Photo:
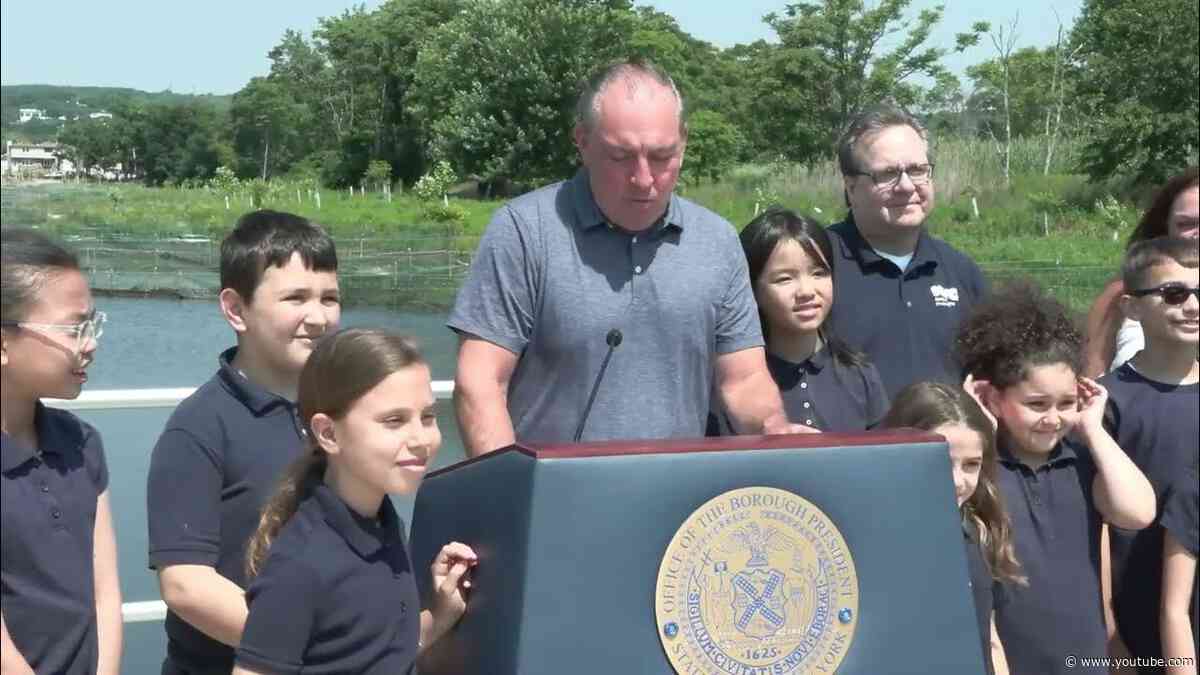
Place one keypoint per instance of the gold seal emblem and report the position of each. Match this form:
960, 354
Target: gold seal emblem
757, 580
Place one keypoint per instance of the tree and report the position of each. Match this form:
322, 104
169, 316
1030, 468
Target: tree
1005, 43
1140, 65
945, 105
830, 64
354, 78
180, 142
496, 85
268, 127
713, 146
91, 144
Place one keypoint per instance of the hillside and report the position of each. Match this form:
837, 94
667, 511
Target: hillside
72, 101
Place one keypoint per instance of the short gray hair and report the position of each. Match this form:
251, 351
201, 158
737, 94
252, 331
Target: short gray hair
631, 72
868, 123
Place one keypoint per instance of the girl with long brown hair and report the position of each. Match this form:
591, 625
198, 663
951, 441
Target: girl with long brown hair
970, 433
333, 587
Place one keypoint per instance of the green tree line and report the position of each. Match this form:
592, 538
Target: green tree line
488, 86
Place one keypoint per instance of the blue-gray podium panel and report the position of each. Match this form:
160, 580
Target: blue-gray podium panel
571, 538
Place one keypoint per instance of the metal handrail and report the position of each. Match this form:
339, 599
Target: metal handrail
113, 399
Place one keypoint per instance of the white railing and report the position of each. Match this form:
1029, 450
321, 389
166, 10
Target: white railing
112, 399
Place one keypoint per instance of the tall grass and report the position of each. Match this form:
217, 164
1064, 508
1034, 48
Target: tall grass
1060, 228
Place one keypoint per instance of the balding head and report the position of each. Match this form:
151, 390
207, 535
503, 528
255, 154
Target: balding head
632, 79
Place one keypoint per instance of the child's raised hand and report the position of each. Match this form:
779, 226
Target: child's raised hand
1092, 399
976, 389
450, 583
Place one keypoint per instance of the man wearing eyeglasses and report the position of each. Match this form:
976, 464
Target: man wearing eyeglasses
900, 292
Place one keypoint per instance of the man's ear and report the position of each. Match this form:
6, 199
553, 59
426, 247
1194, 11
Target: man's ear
581, 138
233, 308
323, 433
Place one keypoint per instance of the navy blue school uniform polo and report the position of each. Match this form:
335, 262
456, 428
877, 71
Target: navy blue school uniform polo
981, 590
823, 393
48, 541
1157, 425
903, 320
335, 595
1181, 517
1056, 533
218, 461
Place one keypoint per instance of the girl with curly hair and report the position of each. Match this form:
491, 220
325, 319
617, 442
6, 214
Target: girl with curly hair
987, 532
1060, 474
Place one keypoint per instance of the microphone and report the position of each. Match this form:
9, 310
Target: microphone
614, 340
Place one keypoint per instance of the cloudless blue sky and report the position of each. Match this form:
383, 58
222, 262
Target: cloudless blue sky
218, 45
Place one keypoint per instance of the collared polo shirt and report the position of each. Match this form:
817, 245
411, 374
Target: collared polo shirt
551, 278
1181, 517
215, 465
49, 522
825, 394
1056, 533
903, 320
335, 595
1157, 425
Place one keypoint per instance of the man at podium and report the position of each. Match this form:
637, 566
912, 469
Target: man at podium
606, 306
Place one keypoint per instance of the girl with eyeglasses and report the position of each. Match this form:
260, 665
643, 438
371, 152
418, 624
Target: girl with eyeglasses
61, 598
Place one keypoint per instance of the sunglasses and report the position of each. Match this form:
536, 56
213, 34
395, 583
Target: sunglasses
1172, 294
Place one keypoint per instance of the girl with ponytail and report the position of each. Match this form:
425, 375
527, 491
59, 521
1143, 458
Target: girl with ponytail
332, 585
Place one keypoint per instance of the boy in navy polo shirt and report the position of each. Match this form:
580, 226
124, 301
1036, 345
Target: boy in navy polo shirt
225, 446
1154, 414
900, 291
61, 595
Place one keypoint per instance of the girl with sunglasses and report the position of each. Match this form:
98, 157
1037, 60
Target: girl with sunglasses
61, 597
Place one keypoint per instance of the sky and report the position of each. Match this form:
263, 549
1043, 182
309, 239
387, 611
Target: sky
218, 45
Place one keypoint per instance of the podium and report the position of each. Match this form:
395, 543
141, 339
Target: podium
573, 542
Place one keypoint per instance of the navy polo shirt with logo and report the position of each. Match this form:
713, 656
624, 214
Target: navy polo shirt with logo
335, 595
1056, 533
1181, 517
823, 393
1157, 425
903, 320
48, 541
218, 461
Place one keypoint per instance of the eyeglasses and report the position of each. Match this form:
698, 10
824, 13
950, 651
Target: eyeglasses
1172, 294
919, 174
89, 329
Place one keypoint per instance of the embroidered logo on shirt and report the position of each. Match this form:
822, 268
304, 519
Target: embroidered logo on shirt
944, 297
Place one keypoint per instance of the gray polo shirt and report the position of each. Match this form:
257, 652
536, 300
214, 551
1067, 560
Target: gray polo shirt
552, 278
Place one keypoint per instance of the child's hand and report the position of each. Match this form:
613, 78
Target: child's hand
1092, 400
450, 584
977, 389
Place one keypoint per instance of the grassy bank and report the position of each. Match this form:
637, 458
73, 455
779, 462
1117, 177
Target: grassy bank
1059, 228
